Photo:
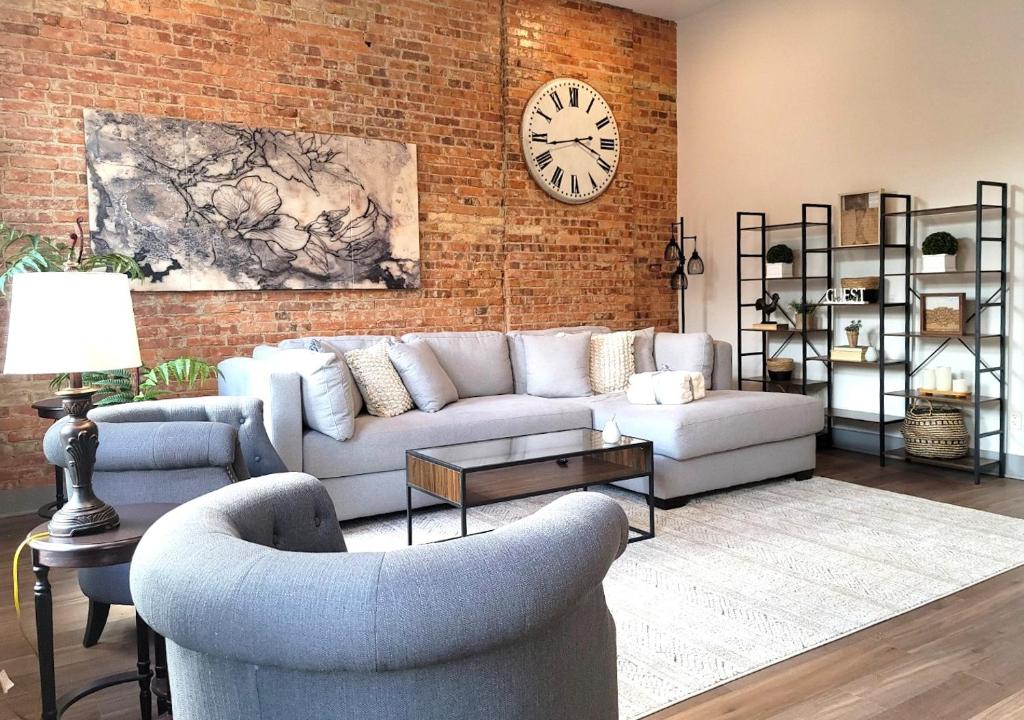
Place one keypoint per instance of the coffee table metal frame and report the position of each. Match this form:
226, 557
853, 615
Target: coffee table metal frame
456, 479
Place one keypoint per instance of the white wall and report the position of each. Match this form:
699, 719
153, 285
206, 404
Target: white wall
790, 101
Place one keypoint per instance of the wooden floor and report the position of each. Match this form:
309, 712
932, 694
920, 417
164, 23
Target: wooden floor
959, 658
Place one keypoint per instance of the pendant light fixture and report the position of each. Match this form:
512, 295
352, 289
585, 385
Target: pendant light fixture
672, 249
695, 266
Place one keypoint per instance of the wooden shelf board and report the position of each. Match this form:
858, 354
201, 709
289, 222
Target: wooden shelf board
785, 226
795, 382
861, 416
821, 358
984, 336
942, 400
965, 463
788, 330
947, 210
944, 272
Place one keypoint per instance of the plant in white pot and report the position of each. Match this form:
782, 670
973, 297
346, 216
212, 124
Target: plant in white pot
939, 250
778, 262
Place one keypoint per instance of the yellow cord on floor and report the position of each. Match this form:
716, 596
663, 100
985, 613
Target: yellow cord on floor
17, 554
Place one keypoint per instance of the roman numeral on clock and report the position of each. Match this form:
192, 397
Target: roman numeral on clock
593, 182
602, 122
575, 183
556, 100
540, 137
574, 97
604, 166
590, 105
541, 113
544, 159
556, 178
607, 143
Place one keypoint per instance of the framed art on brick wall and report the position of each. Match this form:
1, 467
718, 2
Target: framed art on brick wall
212, 206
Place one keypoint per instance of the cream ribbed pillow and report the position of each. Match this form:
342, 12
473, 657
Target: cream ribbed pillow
378, 381
611, 361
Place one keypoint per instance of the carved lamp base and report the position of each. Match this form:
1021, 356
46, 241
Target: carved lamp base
83, 513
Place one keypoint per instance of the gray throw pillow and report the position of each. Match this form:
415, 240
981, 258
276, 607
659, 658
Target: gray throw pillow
643, 350
427, 382
557, 365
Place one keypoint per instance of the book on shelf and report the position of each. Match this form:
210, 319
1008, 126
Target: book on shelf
770, 326
846, 353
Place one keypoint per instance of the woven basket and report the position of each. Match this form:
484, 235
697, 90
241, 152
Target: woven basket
865, 283
936, 432
781, 368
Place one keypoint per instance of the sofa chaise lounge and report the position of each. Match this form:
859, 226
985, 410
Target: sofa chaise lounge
727, 438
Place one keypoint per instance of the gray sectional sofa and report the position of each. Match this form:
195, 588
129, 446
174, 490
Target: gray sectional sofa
725, 439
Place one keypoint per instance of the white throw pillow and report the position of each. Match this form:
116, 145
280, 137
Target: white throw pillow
378, 381
557, 365
611, 361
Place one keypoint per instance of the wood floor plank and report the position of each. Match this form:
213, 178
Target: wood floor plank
959, 658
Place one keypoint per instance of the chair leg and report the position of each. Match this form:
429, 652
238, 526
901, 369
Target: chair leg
97, 621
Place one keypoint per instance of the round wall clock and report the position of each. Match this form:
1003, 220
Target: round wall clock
570, 140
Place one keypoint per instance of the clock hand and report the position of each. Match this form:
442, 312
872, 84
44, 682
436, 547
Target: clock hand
570, 140
586, 147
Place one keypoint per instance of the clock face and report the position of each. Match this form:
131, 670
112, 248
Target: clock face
570, 140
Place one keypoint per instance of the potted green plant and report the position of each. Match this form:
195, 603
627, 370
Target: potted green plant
778, 262
27, 252
803, 315
853, 332
144, 383
939, 251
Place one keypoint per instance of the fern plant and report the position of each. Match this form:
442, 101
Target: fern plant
118, 386
22, 252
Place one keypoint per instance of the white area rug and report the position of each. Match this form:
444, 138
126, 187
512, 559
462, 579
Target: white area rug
740, 580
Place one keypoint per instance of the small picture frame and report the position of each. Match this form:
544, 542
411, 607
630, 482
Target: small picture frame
943, 314
860, 219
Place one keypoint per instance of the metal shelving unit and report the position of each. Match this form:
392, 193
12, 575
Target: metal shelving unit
978, 462
757, 222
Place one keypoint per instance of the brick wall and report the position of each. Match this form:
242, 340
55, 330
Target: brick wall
450, 76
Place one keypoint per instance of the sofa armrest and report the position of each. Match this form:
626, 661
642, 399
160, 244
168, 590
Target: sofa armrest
361, 611
721, 376
281, 394
147, 446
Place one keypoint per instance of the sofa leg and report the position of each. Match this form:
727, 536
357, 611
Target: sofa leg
804, 474
97, 621
670, 503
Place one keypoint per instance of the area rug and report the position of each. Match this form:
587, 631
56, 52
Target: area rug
740, 580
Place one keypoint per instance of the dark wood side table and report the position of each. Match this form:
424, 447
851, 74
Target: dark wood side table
85, 551
52, 409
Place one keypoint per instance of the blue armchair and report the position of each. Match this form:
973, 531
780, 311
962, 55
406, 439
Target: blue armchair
266, 615
165, 451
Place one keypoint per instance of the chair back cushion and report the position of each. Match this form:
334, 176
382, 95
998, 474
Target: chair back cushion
685, 351
477, 362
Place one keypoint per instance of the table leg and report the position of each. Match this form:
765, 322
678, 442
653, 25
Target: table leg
650, 502
408, 513
145, 673
463, 521
44, 641
161, 684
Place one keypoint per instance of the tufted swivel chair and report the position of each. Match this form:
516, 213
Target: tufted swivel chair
267, 616
165, 451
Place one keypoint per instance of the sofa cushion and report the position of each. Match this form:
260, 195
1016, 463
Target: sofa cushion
517, 354
643, 350
325, 384
379, 444
558, 365
723, 420
694, 352
612, 361
477, 362
427, 382
379, 382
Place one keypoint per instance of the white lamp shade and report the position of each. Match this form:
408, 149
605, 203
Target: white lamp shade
64, 322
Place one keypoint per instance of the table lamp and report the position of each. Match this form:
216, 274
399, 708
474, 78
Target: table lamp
73, 322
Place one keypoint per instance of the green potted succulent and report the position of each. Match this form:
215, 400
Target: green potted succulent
778, 262
853, 332
803, 315
939, 251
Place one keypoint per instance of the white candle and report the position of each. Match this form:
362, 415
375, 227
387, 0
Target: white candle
960, 385
928, 379
944, 379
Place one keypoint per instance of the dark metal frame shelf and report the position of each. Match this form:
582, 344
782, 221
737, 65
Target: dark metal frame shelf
978, 462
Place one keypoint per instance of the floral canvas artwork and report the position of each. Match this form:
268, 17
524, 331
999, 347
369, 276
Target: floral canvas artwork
212, 206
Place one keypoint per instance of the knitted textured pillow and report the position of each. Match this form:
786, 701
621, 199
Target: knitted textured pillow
611, 361
378, 381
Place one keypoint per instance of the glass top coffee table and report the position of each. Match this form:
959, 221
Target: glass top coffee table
471, 474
